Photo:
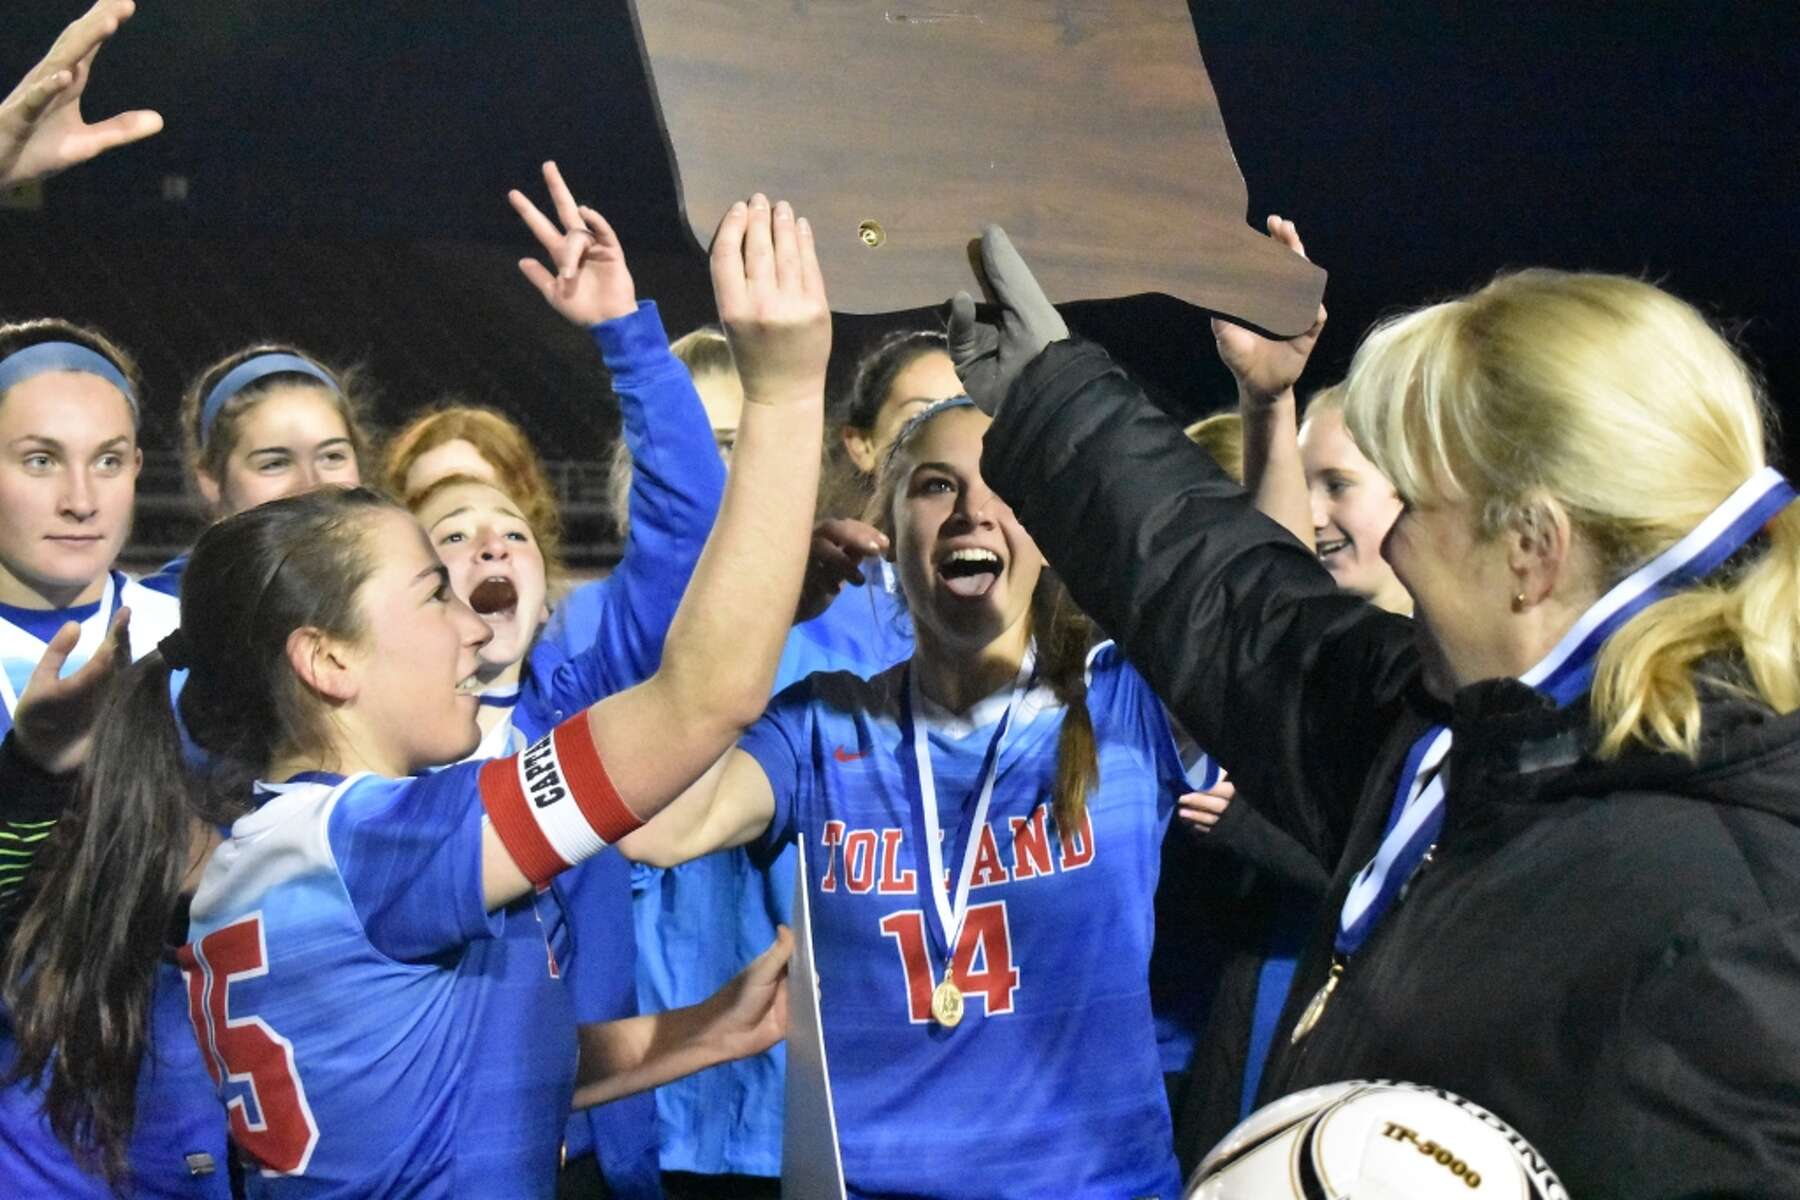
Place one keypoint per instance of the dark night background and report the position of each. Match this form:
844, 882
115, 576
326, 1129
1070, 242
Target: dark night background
346, 166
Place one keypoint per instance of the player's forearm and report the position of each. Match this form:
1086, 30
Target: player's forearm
719, 662
1273, 474
633, 1054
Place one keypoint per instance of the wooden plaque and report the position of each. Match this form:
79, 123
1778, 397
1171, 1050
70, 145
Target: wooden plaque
901, 127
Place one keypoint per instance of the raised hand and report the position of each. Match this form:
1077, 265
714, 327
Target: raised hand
1267, 367
41, 128
839, 547
988, 358
54, 724
591, 283
1200, 811
771, 298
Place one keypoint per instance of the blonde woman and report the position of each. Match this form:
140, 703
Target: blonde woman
1586, 914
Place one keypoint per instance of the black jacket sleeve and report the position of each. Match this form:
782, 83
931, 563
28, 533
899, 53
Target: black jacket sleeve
1245, 834
31, 802
1291, 683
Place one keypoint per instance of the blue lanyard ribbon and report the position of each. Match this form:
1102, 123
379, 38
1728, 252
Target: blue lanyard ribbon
1564, 676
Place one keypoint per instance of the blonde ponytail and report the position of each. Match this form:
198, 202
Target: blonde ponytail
1625, 407
1646, 683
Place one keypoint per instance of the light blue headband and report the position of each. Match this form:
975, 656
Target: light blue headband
45, 357
937, 408
254, 370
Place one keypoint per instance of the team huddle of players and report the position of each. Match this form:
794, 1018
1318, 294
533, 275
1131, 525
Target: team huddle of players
411, 870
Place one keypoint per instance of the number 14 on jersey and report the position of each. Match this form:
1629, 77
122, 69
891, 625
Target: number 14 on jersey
983, 964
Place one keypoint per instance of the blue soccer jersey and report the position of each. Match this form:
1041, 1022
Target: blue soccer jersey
22, 643
371, 1029
1049, 1085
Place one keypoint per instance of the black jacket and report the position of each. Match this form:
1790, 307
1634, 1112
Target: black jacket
1605, 954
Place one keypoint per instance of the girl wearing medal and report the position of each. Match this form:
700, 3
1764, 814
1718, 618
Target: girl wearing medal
983, 825
368, 974
1564, 800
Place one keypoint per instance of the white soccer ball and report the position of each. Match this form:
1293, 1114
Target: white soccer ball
1374, 1141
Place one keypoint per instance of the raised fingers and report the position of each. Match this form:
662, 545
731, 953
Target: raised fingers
567, 211
811, 278
542, 228
727, 261
759, 245
786, 238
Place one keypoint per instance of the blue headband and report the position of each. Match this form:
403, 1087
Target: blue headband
45, 357
935, 409
254, 370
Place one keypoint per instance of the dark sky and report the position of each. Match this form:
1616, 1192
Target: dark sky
1421, 149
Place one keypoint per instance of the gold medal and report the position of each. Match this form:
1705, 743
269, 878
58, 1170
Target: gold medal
1315, 1008
947, 1004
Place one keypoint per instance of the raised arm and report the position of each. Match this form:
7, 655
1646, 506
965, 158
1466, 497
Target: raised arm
636, 751
1289, 683
41, 128
1266, 370
618, 624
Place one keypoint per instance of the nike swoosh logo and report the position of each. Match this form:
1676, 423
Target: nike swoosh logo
844, 756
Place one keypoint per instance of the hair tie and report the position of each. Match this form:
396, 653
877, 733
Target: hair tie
255, 369
174, 650
44, 357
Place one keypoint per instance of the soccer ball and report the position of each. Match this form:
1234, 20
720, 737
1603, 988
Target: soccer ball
1374, 1141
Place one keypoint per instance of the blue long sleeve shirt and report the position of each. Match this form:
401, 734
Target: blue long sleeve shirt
603, 638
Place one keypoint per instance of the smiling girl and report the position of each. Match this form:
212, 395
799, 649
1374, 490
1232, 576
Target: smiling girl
1009, 1015
369, 970
265, 422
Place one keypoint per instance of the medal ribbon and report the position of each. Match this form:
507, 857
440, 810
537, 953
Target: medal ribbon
1564, 675
93, 632
927, 829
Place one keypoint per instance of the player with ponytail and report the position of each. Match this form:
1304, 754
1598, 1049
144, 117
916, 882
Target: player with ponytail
368, 940
1022, 778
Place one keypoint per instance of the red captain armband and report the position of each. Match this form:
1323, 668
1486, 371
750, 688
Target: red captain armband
552, 804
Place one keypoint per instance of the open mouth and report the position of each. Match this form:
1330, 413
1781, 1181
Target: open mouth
495, 597
969, 572
469, 685
1326, 549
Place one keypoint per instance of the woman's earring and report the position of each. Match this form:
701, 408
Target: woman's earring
1518, 601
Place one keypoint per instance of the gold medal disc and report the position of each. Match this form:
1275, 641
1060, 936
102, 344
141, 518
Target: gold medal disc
947, 1004
1315, 1008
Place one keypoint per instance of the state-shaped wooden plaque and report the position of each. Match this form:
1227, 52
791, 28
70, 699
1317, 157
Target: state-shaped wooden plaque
900, 128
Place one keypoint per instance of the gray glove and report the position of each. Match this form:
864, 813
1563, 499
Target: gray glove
988, 358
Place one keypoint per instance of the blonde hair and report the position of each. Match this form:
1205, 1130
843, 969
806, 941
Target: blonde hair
1328, 399
1619, 403
518, 470
1222, 437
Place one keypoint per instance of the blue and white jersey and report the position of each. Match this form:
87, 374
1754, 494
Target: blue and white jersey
371, 1029
1050, 1085
24, 635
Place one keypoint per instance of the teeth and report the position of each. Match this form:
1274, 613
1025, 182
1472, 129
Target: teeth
1325, 548
470, 686
973, 554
